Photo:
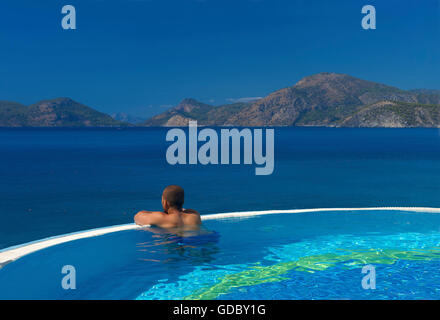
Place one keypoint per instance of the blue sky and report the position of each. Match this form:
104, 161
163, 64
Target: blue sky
140, 57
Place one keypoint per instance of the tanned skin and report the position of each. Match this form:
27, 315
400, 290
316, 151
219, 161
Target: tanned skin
172, 217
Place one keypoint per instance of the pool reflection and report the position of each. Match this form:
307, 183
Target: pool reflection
179, 246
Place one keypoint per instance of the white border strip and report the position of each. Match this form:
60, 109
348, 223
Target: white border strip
13, 253
260, 213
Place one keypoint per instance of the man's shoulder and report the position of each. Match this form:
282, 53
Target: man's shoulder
190, 211
148, 217
192, 217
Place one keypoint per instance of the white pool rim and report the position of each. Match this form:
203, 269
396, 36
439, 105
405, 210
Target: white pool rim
13, 253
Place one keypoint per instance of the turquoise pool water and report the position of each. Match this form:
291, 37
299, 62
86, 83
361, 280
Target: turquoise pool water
316, 255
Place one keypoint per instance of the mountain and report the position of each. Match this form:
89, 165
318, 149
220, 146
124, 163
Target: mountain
12, 114
395, 115
60, 112
324, 99
128, 118
191, 109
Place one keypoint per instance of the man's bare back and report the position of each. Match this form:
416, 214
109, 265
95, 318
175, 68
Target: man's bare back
173, 216
172, 219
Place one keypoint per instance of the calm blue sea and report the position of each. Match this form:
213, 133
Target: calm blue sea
55, 181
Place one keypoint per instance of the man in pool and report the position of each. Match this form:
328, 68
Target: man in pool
173, 215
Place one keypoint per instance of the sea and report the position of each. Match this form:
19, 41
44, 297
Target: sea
60, 180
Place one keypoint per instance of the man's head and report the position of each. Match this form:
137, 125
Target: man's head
172, 197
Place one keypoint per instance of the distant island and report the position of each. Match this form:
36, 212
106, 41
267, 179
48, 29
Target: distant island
324, 99
60, 112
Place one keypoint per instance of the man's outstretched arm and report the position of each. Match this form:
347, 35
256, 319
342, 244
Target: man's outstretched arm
144, 218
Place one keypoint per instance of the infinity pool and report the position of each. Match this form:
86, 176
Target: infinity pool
309, 255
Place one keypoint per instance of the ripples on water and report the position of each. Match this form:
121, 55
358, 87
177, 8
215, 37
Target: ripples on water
288, 256
179, 246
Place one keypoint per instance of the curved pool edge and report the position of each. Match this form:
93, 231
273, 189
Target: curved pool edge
11, 254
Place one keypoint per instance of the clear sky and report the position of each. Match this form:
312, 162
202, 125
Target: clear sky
142, 56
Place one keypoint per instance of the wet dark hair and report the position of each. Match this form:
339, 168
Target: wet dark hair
174, 195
